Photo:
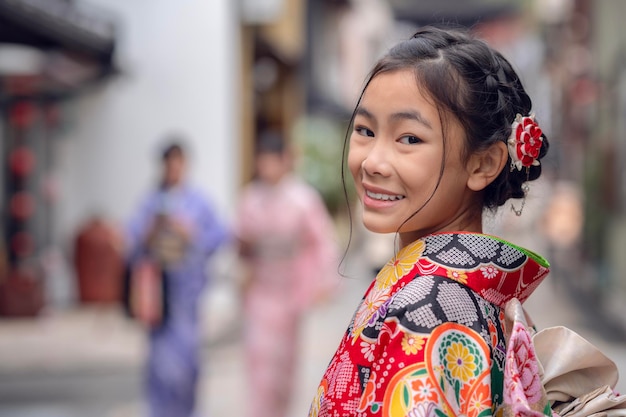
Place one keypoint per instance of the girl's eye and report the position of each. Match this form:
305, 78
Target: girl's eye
363, 131
409, 140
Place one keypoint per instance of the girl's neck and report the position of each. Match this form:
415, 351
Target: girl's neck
472, 224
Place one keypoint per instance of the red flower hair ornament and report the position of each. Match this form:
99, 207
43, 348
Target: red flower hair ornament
525, 142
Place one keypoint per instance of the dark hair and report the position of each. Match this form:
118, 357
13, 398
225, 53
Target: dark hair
270, 141
473, 83
172, 149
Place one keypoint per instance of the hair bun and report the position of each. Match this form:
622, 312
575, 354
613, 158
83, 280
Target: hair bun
491, 82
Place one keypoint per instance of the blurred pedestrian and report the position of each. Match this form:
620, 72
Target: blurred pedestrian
287, 243
562, 226
172, 235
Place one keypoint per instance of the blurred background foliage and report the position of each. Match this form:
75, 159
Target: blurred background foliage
319, 142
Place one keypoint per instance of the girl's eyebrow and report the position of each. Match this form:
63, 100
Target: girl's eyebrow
411, 115
401, 115
362, 111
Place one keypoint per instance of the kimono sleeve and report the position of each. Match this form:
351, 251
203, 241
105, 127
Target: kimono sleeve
434, 353
211, 231
138, 226
319, 258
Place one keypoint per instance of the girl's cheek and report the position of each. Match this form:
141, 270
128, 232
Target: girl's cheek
354, 172
353, 161
350, 160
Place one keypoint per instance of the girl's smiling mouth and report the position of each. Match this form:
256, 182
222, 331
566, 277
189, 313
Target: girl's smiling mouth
383, 197
376, 198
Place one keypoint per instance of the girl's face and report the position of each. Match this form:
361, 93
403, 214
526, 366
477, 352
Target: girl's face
396, 155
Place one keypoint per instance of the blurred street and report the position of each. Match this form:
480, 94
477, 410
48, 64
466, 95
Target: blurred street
90, 88
87, 361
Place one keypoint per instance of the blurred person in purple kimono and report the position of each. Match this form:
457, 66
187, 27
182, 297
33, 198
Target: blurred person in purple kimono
287, 243
175, 227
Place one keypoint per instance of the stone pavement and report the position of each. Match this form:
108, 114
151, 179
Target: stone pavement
92, 339
85, 338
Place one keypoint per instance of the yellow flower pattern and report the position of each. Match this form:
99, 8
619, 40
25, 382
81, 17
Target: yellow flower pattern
400, 265
460, 362
411, 344
397, 268
458, 276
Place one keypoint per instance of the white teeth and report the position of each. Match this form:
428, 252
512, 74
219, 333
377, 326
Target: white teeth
384, 197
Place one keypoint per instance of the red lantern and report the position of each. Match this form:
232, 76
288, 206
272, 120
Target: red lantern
22, 205
21, 161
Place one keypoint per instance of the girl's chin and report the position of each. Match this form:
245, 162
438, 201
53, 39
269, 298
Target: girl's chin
379, 228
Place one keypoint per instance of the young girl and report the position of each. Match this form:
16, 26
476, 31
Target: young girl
443, 129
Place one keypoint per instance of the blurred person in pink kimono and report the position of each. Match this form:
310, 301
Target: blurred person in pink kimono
287, 243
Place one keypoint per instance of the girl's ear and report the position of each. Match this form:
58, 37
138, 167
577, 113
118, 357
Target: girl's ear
484, 167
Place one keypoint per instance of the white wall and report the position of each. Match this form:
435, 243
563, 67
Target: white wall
178, 62
179, 71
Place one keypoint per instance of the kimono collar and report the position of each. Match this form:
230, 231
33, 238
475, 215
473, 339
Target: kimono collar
492, 267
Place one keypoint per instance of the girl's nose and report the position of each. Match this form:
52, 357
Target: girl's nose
377, 161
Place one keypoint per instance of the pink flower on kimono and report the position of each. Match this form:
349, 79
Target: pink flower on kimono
521, 372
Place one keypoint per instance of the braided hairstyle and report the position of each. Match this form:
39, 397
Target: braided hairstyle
475, 84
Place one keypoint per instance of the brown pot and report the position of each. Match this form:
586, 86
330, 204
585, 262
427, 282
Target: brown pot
98, 262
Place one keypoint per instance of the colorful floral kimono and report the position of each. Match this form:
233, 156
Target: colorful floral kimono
429, 337
173, 360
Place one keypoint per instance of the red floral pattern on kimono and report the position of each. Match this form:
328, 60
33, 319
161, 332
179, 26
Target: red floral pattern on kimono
428, 338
